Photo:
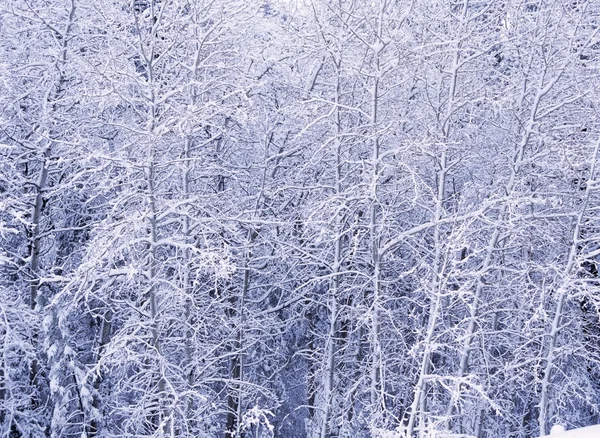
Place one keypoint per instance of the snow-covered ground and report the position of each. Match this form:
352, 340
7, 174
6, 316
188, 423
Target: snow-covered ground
584, 432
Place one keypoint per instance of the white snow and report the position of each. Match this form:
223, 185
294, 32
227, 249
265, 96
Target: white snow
584, 432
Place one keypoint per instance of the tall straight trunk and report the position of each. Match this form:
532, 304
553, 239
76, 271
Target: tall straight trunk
233, 424
187, 279
435, 306
161, 418
330, 347
186, 282
234, 397
37, 302
34, 257
35, 241
93, 428
377, 378
334, 287
418, 405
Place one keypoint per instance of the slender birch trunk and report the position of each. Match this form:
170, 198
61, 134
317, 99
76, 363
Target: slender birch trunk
162, 418
334, 286
36, 301
377, 377
436, 304
235, 399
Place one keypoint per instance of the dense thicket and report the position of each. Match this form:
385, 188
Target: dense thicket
340, 218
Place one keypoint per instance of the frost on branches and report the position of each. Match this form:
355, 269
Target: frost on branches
308, 219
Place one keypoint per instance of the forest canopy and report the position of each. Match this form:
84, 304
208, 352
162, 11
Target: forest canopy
318, 218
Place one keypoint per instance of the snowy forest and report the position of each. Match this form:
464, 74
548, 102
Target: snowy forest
299, 219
